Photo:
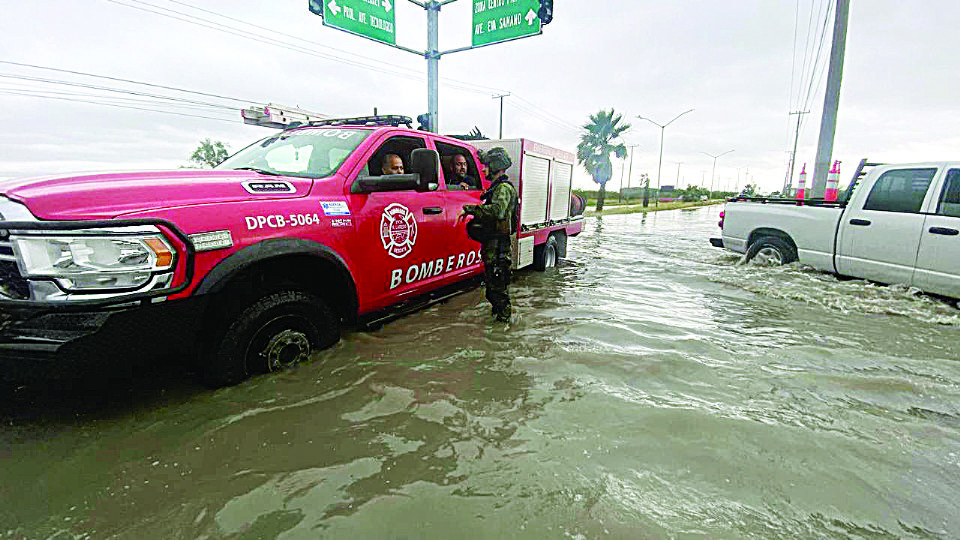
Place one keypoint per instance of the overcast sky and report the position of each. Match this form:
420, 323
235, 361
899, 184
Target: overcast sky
741, 64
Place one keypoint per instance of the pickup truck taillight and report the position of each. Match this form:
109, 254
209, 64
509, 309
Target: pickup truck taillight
720, 223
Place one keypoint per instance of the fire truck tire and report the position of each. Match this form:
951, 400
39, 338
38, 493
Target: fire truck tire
770, 250
545, 255
276, 331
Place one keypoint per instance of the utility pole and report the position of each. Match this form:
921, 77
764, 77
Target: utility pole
831, 101
623, 167
677, 183
631, 147
501, 96
793, 156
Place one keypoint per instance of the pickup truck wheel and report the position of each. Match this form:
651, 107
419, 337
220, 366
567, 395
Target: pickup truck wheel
545, 256
276, 331
770, 250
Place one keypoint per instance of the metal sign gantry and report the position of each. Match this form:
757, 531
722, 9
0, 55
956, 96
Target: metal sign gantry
493, 21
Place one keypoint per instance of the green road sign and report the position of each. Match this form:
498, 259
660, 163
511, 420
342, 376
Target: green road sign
371, 19
500, 20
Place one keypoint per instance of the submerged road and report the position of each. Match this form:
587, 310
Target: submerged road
650, 388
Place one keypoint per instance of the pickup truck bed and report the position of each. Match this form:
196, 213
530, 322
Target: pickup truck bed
894, 224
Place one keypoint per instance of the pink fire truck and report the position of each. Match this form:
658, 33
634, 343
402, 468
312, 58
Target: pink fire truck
258, 263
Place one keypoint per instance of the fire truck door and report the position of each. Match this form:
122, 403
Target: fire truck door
405, 233
457, 197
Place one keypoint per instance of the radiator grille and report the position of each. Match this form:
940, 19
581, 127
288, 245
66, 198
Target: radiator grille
12, 284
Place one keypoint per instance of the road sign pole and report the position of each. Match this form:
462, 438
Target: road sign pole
433, 64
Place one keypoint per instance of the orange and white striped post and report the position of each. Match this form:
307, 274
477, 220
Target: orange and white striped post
802, 182
833, 182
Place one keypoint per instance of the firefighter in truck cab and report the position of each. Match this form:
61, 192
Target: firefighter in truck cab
493, 223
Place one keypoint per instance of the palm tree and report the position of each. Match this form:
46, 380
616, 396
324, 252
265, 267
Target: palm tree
597, 142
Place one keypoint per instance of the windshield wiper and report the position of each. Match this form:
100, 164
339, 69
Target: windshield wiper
261, 171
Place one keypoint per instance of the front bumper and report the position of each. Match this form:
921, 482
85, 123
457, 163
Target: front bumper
54, 344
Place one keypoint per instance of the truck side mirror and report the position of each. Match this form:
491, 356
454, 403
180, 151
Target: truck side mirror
387, 182
425, 162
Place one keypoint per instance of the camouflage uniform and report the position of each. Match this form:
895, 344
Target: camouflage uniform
500, 208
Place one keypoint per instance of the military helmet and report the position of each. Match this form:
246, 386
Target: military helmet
496, 159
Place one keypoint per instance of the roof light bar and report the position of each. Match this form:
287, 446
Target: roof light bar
377, 120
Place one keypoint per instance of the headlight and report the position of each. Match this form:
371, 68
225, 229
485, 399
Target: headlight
91, 262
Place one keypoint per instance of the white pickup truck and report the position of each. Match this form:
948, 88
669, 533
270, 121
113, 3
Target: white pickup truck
893, 224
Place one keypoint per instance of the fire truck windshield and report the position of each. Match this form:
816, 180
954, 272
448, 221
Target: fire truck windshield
311, 152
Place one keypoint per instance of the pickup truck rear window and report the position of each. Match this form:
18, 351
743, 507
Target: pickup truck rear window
900, 190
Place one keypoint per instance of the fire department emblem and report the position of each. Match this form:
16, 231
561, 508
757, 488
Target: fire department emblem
398, 230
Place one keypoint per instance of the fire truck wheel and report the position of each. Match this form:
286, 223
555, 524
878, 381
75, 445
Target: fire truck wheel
545, 256
770, 250
276, 331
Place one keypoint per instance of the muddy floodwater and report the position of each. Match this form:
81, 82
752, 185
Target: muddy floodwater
650, 388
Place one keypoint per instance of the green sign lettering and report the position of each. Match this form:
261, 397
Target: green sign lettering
500, 20
373, 19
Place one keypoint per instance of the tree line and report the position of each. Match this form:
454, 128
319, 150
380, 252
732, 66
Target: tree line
599, 140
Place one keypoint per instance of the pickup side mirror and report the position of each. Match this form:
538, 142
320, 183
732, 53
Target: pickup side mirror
386, 182
423, 176
426, 163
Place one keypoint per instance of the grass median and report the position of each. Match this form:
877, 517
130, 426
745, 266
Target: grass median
611, 209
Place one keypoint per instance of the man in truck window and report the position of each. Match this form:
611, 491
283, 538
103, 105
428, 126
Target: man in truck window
459, 179
498, 217
392, 164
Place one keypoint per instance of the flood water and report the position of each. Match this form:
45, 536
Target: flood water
650, 388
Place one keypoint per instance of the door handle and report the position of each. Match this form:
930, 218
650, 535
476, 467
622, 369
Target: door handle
861, 222
944, 231
432, 210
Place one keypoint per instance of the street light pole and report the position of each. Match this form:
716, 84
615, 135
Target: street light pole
715, 165
660, 163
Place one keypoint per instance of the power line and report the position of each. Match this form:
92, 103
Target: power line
159, 99
118, 79
813, 75
806, 49
810, 61
108, 89
39, 92
539, 116
7, 92
530, 108
816, 61
258, 38
793, 66
557, 118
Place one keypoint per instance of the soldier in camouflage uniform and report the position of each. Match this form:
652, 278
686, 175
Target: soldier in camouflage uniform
499, 215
